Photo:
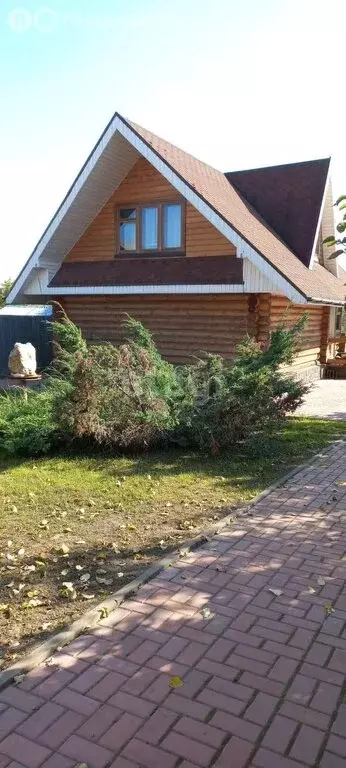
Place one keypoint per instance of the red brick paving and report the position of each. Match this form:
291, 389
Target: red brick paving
263, 677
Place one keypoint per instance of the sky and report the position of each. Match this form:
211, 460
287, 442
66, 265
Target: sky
238, 84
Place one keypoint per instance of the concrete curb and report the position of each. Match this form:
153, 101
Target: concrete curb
91, 618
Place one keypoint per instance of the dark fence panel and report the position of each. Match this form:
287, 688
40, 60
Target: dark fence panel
20, 328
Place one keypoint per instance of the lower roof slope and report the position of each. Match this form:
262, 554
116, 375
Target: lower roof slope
162, 270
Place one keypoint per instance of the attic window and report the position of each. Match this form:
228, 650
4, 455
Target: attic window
157, 227
127, 229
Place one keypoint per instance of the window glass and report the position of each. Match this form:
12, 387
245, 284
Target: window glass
127, 235
150, 220
127, 213
172, 226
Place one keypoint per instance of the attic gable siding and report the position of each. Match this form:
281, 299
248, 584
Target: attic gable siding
144, 184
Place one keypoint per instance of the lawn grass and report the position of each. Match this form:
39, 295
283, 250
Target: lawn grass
116, 516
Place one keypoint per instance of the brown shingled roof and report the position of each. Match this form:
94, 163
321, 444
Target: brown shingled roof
162, 270
289, 198
215, 189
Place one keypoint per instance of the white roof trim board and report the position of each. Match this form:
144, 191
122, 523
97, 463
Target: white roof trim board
108, 164
125, 290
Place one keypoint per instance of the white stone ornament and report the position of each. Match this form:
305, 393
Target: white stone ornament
22, 360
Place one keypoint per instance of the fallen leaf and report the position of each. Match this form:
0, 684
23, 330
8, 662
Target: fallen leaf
85, 577
67, 530
80, 541
86, 596
29, 568
311, 590
63, 549
132, 527
276, 592
103, 580
65, 572
33, 593
21, 552
18, 679
184, 552
45, 625
9, 543
67, 590
104, 612
329, 608
120, 575
321, 582
34, 603
175, 682
206, 612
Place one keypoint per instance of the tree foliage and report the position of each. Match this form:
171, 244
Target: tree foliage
129, 398
340, 242
5, 288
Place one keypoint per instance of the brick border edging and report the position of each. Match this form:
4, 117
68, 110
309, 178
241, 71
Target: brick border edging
91, 618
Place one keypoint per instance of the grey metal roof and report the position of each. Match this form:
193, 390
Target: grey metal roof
27, 310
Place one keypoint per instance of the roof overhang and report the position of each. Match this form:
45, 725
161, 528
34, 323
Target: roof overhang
109, 162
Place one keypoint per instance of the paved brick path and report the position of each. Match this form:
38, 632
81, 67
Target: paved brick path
326, 400
263, 678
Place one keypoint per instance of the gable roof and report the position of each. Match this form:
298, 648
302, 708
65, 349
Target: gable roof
208, 189
289, 198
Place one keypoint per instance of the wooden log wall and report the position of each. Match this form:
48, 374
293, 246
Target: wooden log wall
182, 325
143, 185
309, 349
